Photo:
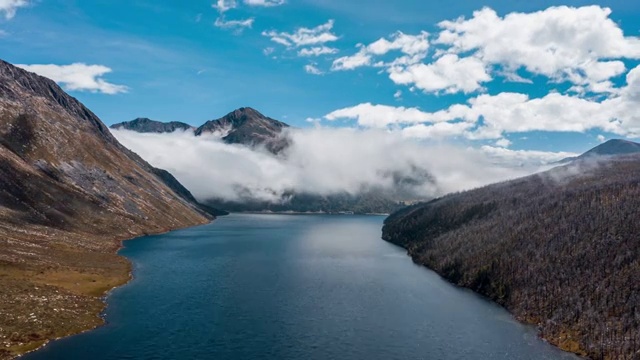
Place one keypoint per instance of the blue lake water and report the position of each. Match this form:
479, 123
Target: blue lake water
293, 287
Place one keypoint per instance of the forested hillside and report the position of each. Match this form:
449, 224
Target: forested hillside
560, 249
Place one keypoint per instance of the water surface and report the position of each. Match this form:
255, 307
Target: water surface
293, 287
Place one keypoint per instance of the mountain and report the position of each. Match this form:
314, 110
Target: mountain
69, 194
145, 125
609, 148
559, 249
245, 126
248, 127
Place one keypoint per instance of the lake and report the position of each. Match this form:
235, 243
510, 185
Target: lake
293, 287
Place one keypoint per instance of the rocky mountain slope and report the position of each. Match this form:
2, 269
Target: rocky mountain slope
560, 249
69, 193
145, 125
609, 148
248, 127
245, 126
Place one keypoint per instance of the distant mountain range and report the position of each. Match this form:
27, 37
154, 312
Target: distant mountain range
145, 125
69, 193
369, 202
244, 126
609, 148
558, 249
247, 126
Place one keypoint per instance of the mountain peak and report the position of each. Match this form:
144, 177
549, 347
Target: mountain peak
246, 115
249, 127
247, 111
608, 148
613, 147
244, 125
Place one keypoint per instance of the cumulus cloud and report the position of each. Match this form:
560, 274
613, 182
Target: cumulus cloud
78, 77
562, 43
264, 3
360, 59
492, 116
9, 7
449, 74
320, 34
413, 47
380, 116
578, 45
319, 161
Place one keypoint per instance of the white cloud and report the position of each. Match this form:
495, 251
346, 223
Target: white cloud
224, 5
317, 51
265, 3
397, 94
407, 44
513, 112
312, 69
492, 116
360, 59
504, 143
504, 156
436, 131
78, 77
380, 116
239, 25
414, 48
562, 43
9, 7
601, 138
319, 161
304, 36
449, 74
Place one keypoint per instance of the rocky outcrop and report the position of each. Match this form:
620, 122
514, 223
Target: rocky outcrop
248, 127
145, 125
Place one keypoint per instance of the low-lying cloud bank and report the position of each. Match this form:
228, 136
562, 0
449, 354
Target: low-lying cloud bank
326, 161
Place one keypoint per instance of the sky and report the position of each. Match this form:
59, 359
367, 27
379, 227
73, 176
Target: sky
513, 77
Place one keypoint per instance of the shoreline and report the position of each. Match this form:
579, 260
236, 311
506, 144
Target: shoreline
579, 353
101, 315
304, 213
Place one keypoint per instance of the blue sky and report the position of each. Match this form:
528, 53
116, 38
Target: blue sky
170, 61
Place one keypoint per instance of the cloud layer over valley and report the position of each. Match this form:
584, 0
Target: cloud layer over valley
325, 161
